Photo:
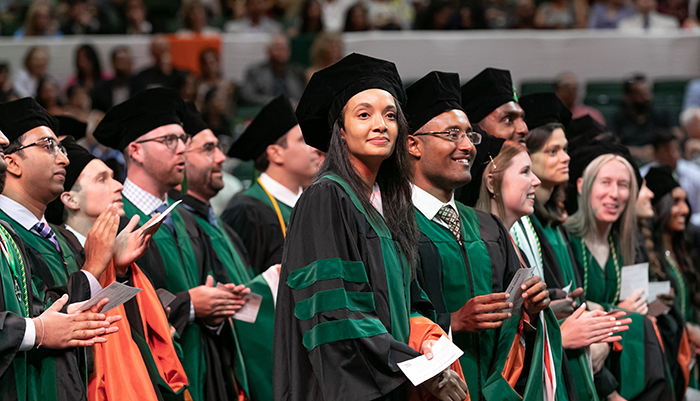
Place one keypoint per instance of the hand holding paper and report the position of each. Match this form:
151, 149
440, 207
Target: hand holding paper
420, 369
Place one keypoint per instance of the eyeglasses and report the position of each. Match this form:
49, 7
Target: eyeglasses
209, 148
455, 136
170, 140
47, 143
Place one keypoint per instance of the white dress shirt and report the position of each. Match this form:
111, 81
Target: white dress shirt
279, 191
430, 205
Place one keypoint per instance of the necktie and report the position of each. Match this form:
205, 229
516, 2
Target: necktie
45, 232
212, 218
647, 22
451, 218
168, 220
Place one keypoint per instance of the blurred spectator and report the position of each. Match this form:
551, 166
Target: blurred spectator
357, 19
82, 19
692, 94
607, 14
194, 16
162, 73
311, 17
79, 106
39, 21
556, 14
136, 23
117, 89
499, 14
690, 122
88, 68
47, 95
390, 15
211, 77
36, 62
437, 17
274, 77
7, 93
566, 88
524, 15
255, 20
328, 49
678, 9
215, 110
647, 19
334, 13
667, 153
637, 118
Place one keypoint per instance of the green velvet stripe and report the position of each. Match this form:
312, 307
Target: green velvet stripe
338, 298
339, 330
257, 192
327, 269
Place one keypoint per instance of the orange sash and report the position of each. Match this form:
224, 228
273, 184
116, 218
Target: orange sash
423, 329
120, 372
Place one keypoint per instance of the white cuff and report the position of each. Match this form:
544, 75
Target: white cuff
95, 286
29, 336
191, 318
218, 329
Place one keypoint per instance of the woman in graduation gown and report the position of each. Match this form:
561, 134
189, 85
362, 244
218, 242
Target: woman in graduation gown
670, 260
344, 312
603, 233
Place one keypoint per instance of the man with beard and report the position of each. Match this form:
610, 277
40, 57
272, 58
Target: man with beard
144, 342
27, 372
146, 128
260, 214
490, 100
466, 261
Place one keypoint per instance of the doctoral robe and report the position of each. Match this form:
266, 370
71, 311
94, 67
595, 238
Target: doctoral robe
344, 304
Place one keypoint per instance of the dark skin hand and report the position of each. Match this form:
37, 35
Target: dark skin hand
482, 313
536, 296
563, 308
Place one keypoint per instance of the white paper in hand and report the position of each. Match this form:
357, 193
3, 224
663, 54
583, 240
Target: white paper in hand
567, 289
163, 215
515, 291
656, 288
633, 278
420, 369
249, 311
117, 293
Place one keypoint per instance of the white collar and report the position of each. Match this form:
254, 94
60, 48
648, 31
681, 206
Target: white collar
146, 202
81, 238
428, 204
19, 213
376, 199
279, 191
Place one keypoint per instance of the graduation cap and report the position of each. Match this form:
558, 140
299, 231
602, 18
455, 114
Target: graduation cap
431, 96
489, 148
330, 89
142, 113
79, 157
193, 123
22, 115
660, 181
69, 126
486, 92
544, 108
583, 130
582, 157
273, 121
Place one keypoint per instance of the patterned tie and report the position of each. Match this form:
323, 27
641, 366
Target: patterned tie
45, 232
168, 220
451, 218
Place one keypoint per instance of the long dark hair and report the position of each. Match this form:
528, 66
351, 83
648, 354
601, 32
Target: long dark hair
551, 211
393, 178
92, 57
662, 214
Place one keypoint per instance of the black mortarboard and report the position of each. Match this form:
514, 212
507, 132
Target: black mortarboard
544, 108
660, 181
19, 116
431, 96
273, 121
489, 147
583, 130
582, 157
69, 126
193, 123
330, 89
144, 112
79, 157
486, 92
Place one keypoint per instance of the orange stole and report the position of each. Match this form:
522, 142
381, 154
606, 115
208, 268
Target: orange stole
516, 357
119, 371
423, 329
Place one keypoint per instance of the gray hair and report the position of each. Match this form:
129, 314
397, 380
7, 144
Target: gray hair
687, 115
